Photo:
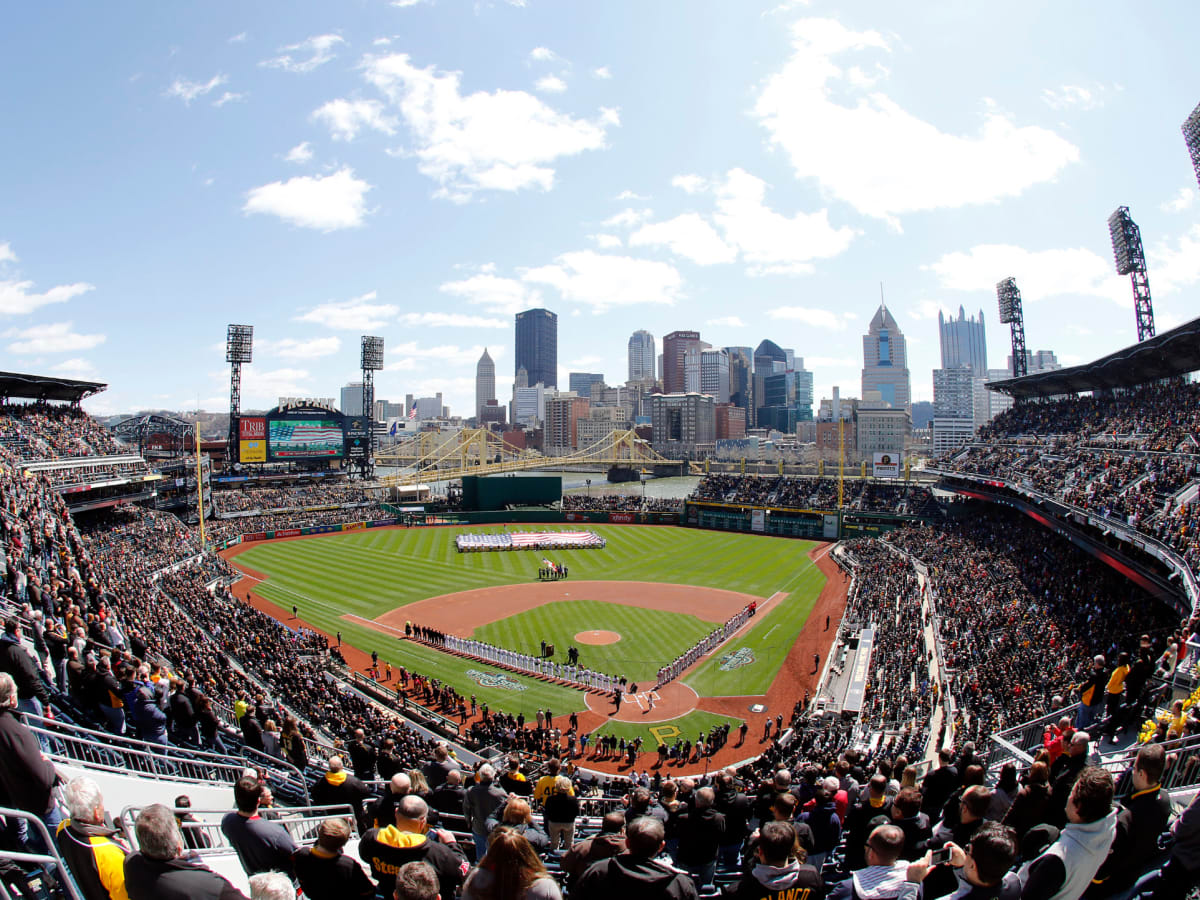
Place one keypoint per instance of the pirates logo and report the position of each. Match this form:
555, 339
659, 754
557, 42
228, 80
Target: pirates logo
743, 656
494, 680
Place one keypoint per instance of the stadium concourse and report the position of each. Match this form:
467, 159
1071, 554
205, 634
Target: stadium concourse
133, 673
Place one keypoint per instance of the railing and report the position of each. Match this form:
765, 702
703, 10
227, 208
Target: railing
124, 755
50, 862
1020, 743
202, 829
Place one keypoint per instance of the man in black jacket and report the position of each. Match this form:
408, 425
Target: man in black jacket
736, 807
338, 787
160, 871
636, 874
261, 845
701, 831
410, 839
776, 874
363, 756
939, 784
26, 777
1142, 818
32, 695
1063, 773
450, 796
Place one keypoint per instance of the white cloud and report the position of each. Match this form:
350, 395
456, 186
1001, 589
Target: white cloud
1039, 273
550, 84
6, 253
357, 314
602, 72
263, 387
606, 241
228, 97
504, 140
293, 348
627, 218
772, 243
344, 118
324, 202
542, 54
1181, 202
814, 318
928, 309
74, 368
312, 53
53, 338
1172, 268
301, 153
687, 235
691, 184
726, 322
602, 280
402, 4
452, 320
187, 91
1072, 96
239, 38
919, 167
17, 300
629, 195
494, 293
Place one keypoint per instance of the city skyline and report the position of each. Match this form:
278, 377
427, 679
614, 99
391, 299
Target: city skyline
423, 171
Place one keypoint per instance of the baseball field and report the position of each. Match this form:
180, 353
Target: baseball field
628, 608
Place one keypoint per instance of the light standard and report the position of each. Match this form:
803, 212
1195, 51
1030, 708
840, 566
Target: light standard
588, 482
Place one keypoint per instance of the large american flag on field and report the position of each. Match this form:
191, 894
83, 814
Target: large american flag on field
286, 432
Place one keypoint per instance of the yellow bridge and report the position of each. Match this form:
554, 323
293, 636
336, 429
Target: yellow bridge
445, 456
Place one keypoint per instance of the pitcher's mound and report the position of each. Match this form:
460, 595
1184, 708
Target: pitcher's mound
597, 637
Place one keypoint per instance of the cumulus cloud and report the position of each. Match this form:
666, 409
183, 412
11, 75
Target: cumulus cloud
187, 91
363, 313
57, 337
1175, 266
689, 236
923, 166
1072, 96
345, 118
6, 253
294, 348
301, 153
691, 184
501, 140
491, 291
602, 72
324, 202
228, 97
542, 54
1181, 202
627, 218
550, 84
1039, 273
17, 297
77, 367
305, 56
602, 281
606, 241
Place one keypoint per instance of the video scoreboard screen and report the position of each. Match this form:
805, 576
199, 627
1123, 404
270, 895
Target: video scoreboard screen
305, 438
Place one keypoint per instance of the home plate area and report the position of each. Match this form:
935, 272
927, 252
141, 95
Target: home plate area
645, 700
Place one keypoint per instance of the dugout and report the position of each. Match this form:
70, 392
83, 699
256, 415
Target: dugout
484, 492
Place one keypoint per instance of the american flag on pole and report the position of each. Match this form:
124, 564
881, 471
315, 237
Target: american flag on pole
412, 411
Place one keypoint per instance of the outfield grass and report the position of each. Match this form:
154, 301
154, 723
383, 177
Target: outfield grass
368, 573
648, 636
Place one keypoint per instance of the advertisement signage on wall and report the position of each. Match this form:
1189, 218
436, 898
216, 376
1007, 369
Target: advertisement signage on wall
358, 437
252, 439
758, 520
886, 465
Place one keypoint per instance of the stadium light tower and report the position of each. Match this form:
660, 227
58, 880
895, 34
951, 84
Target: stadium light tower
372, 362
1191, 134
239, 348
1012, 315
1131, 261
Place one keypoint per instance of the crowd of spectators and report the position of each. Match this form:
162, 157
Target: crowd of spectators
620, 503
53, 431
809, 492
224, 529
291, 497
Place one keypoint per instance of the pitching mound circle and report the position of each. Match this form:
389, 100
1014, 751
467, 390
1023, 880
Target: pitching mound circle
597, 637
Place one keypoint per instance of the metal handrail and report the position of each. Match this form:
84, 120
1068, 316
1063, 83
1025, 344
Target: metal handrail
301, 824
116, 753
51, 861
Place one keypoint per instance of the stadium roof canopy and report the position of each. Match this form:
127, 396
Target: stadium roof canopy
1174, 352
47, 387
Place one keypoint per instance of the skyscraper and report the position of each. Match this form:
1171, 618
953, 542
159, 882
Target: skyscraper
675, 345
741, 380
537, 346
641, 355
485, 383
885, 361
581, 382
964, 342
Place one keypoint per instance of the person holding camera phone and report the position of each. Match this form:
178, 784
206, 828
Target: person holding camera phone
975, 873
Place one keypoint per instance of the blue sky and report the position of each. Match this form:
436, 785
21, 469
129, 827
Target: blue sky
423, 170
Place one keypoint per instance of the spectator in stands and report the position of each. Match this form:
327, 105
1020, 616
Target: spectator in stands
482, 800
337, 787
1091, 694
1066, 869
914, 824
160, 871
561, 811
271, 886
860, 818
940, 783
438, 768
545, 784
510, 870
517, 816
1029, 806
701, 831
92, 851
194, 837
325, 872
26, 777
261, 845
1063, 774
363, 756
1142, 817
450, 795
385, 810
885, 875
824, 822
1181, 872
779, 872
736, 807
32, 695
972, 812
1004, 794
640, 804
416, 881
978, 872
609, 842
411, 840
148, 709
106, 695
514, 780
636, 874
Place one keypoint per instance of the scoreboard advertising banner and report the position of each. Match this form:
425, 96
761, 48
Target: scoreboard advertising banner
305, 438
252, 440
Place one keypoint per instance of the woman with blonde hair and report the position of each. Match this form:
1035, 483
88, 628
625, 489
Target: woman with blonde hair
561, 809
510, 870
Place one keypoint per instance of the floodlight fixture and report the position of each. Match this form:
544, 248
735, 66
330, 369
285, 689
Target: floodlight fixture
1191, 135
1012, 314
1131, 260
239, 343
372, 353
